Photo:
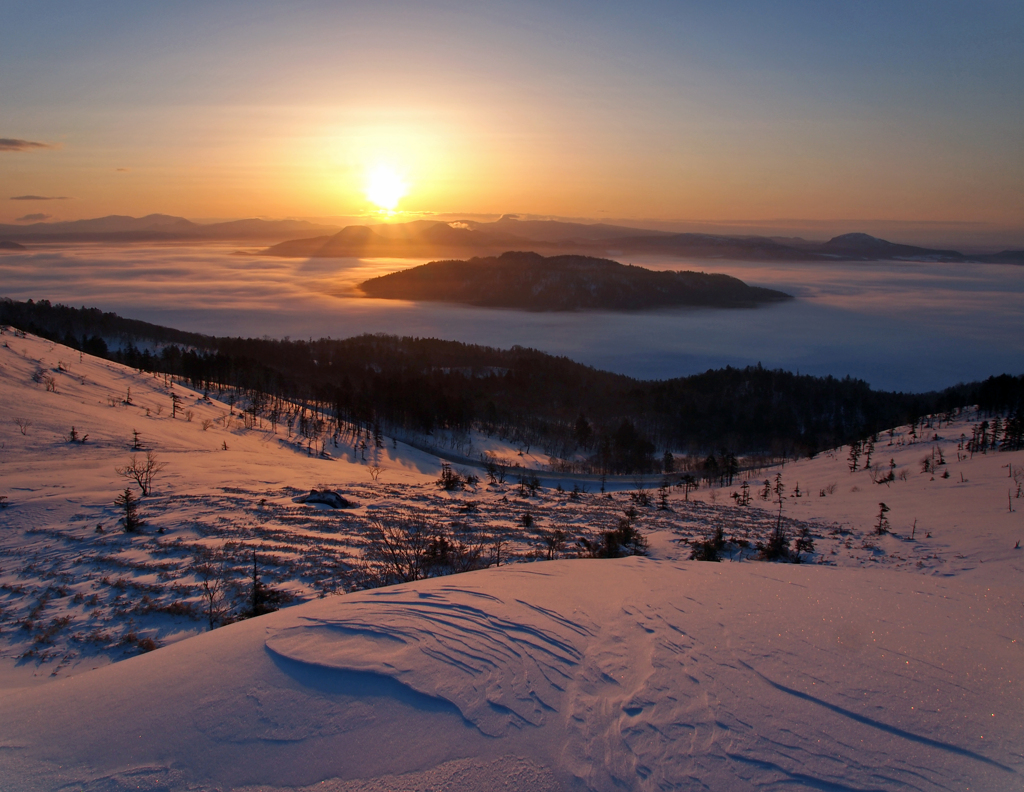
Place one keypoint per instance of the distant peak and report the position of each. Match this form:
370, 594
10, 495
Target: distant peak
858, 240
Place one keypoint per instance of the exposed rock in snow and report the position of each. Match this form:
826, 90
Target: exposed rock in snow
327, 497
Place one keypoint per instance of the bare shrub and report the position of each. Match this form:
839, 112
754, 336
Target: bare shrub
640, 496
394, 553
213, 586
141, 471
554, 542
23, 425
401, 552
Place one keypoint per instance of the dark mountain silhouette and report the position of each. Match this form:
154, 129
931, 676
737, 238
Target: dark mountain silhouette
352, 238
418, 238
564, 283
869, 248
714, 246
463, 238
158, 227
1003, 257
7, 245
434, 238
471, 237
111, 224
560, 232
299, 248
256, 228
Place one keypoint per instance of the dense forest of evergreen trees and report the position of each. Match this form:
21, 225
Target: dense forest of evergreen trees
620, 424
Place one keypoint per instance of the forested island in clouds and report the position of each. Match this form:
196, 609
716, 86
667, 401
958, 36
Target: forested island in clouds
533, 282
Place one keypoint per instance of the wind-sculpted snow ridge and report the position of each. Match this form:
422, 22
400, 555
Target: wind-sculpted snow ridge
886, 661
504, 665
629, 674
649, 688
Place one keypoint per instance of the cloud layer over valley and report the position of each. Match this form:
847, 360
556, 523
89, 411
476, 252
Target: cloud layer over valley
902, 326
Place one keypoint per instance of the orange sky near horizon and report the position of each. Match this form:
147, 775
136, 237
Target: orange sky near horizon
666, 114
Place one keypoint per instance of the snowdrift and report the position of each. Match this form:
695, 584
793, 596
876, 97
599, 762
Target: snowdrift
886, 662
637, 673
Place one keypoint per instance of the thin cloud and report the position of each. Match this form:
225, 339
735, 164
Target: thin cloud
34, 218
121, 170
40, 198
14, 144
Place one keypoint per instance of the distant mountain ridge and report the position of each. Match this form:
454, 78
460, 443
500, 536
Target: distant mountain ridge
472, 238
855, 246
564, 283
465, 238
157, 227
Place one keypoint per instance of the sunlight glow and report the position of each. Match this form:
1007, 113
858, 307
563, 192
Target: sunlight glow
385, 188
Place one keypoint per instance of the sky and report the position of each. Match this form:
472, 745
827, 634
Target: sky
725, 112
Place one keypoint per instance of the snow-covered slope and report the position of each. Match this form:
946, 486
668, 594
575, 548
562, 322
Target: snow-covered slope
633, 673
884, 662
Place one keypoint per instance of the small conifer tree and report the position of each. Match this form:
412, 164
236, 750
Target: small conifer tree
882, 526
129, 505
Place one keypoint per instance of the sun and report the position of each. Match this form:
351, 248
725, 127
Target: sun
385, 188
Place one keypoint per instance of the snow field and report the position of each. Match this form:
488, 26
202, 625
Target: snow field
882, 662
632, 673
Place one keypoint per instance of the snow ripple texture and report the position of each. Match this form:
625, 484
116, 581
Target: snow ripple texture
659, 677
502, 671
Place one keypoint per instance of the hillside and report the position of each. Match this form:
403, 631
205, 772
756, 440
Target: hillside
640, 675
884, 661
424, 385
564, 283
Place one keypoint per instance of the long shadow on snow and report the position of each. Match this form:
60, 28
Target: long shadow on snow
362, 684
894, 730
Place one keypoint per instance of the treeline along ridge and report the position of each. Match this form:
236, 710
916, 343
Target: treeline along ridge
595, 420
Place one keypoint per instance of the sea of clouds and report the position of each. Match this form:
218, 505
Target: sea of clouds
899, 325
